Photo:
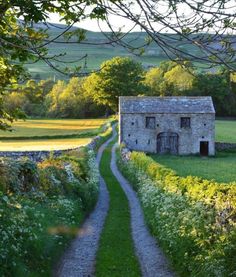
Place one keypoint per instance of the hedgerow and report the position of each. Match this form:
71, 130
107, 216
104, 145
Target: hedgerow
193, 219
104, 136
41, 207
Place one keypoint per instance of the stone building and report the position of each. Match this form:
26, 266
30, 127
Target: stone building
175, 125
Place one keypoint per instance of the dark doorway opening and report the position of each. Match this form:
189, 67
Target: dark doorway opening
167, 143
204, 148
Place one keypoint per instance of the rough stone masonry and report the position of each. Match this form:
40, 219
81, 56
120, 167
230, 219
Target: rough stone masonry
175, 125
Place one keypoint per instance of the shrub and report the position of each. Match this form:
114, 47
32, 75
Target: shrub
38, 219
18, 175
193, 219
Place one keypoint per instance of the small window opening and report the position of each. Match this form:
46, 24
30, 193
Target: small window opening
128, 135
150, 122
203, 137
204, 124
136, 141
185, 122
132, 123
157, 125
149, 141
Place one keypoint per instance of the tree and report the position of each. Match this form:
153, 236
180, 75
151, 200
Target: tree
153, 79
216, 85
21, 42
181, 77
117, 77
52, 99
170, 78
206, 26
71, 101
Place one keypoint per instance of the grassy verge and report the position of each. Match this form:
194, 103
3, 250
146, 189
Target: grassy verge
115, 256
193, 219
105, 135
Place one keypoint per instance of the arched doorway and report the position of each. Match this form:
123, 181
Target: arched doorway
167, 142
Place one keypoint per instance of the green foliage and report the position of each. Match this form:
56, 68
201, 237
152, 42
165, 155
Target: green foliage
170, 79
117, 77
221, 88
18, 176
71, 101
193, 219
41, 206
47, 99
173, 78
22, 42
29, 97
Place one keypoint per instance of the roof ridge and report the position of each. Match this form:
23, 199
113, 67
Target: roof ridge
169, 104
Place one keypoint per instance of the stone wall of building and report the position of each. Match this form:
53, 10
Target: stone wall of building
136, 136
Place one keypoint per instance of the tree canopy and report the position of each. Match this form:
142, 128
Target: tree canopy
170, 78
117, 77
208, 26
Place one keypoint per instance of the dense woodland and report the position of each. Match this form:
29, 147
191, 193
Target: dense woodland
97, 94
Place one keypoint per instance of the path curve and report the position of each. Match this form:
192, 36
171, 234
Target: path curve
79, 259
152, 260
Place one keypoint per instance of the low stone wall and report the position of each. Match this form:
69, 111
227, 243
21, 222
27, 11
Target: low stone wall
125, 154
38, 156
220, 146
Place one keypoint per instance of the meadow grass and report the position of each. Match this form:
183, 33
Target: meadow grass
116, 256
51, 127
226, 130
221, 168
42, 144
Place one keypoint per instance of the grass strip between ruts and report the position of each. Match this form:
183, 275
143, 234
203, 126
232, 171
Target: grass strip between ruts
116, 256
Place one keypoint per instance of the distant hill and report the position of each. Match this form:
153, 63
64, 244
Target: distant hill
97, 51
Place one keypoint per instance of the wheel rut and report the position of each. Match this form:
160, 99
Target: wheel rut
79, 259
152, 260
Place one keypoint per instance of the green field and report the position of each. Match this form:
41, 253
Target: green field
45, 134
226, 130
96, 54
51, 127
221, 168
42, 144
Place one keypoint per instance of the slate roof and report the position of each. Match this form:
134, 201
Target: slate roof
179, 104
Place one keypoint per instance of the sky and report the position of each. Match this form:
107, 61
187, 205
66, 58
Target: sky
92, 25
183, 11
